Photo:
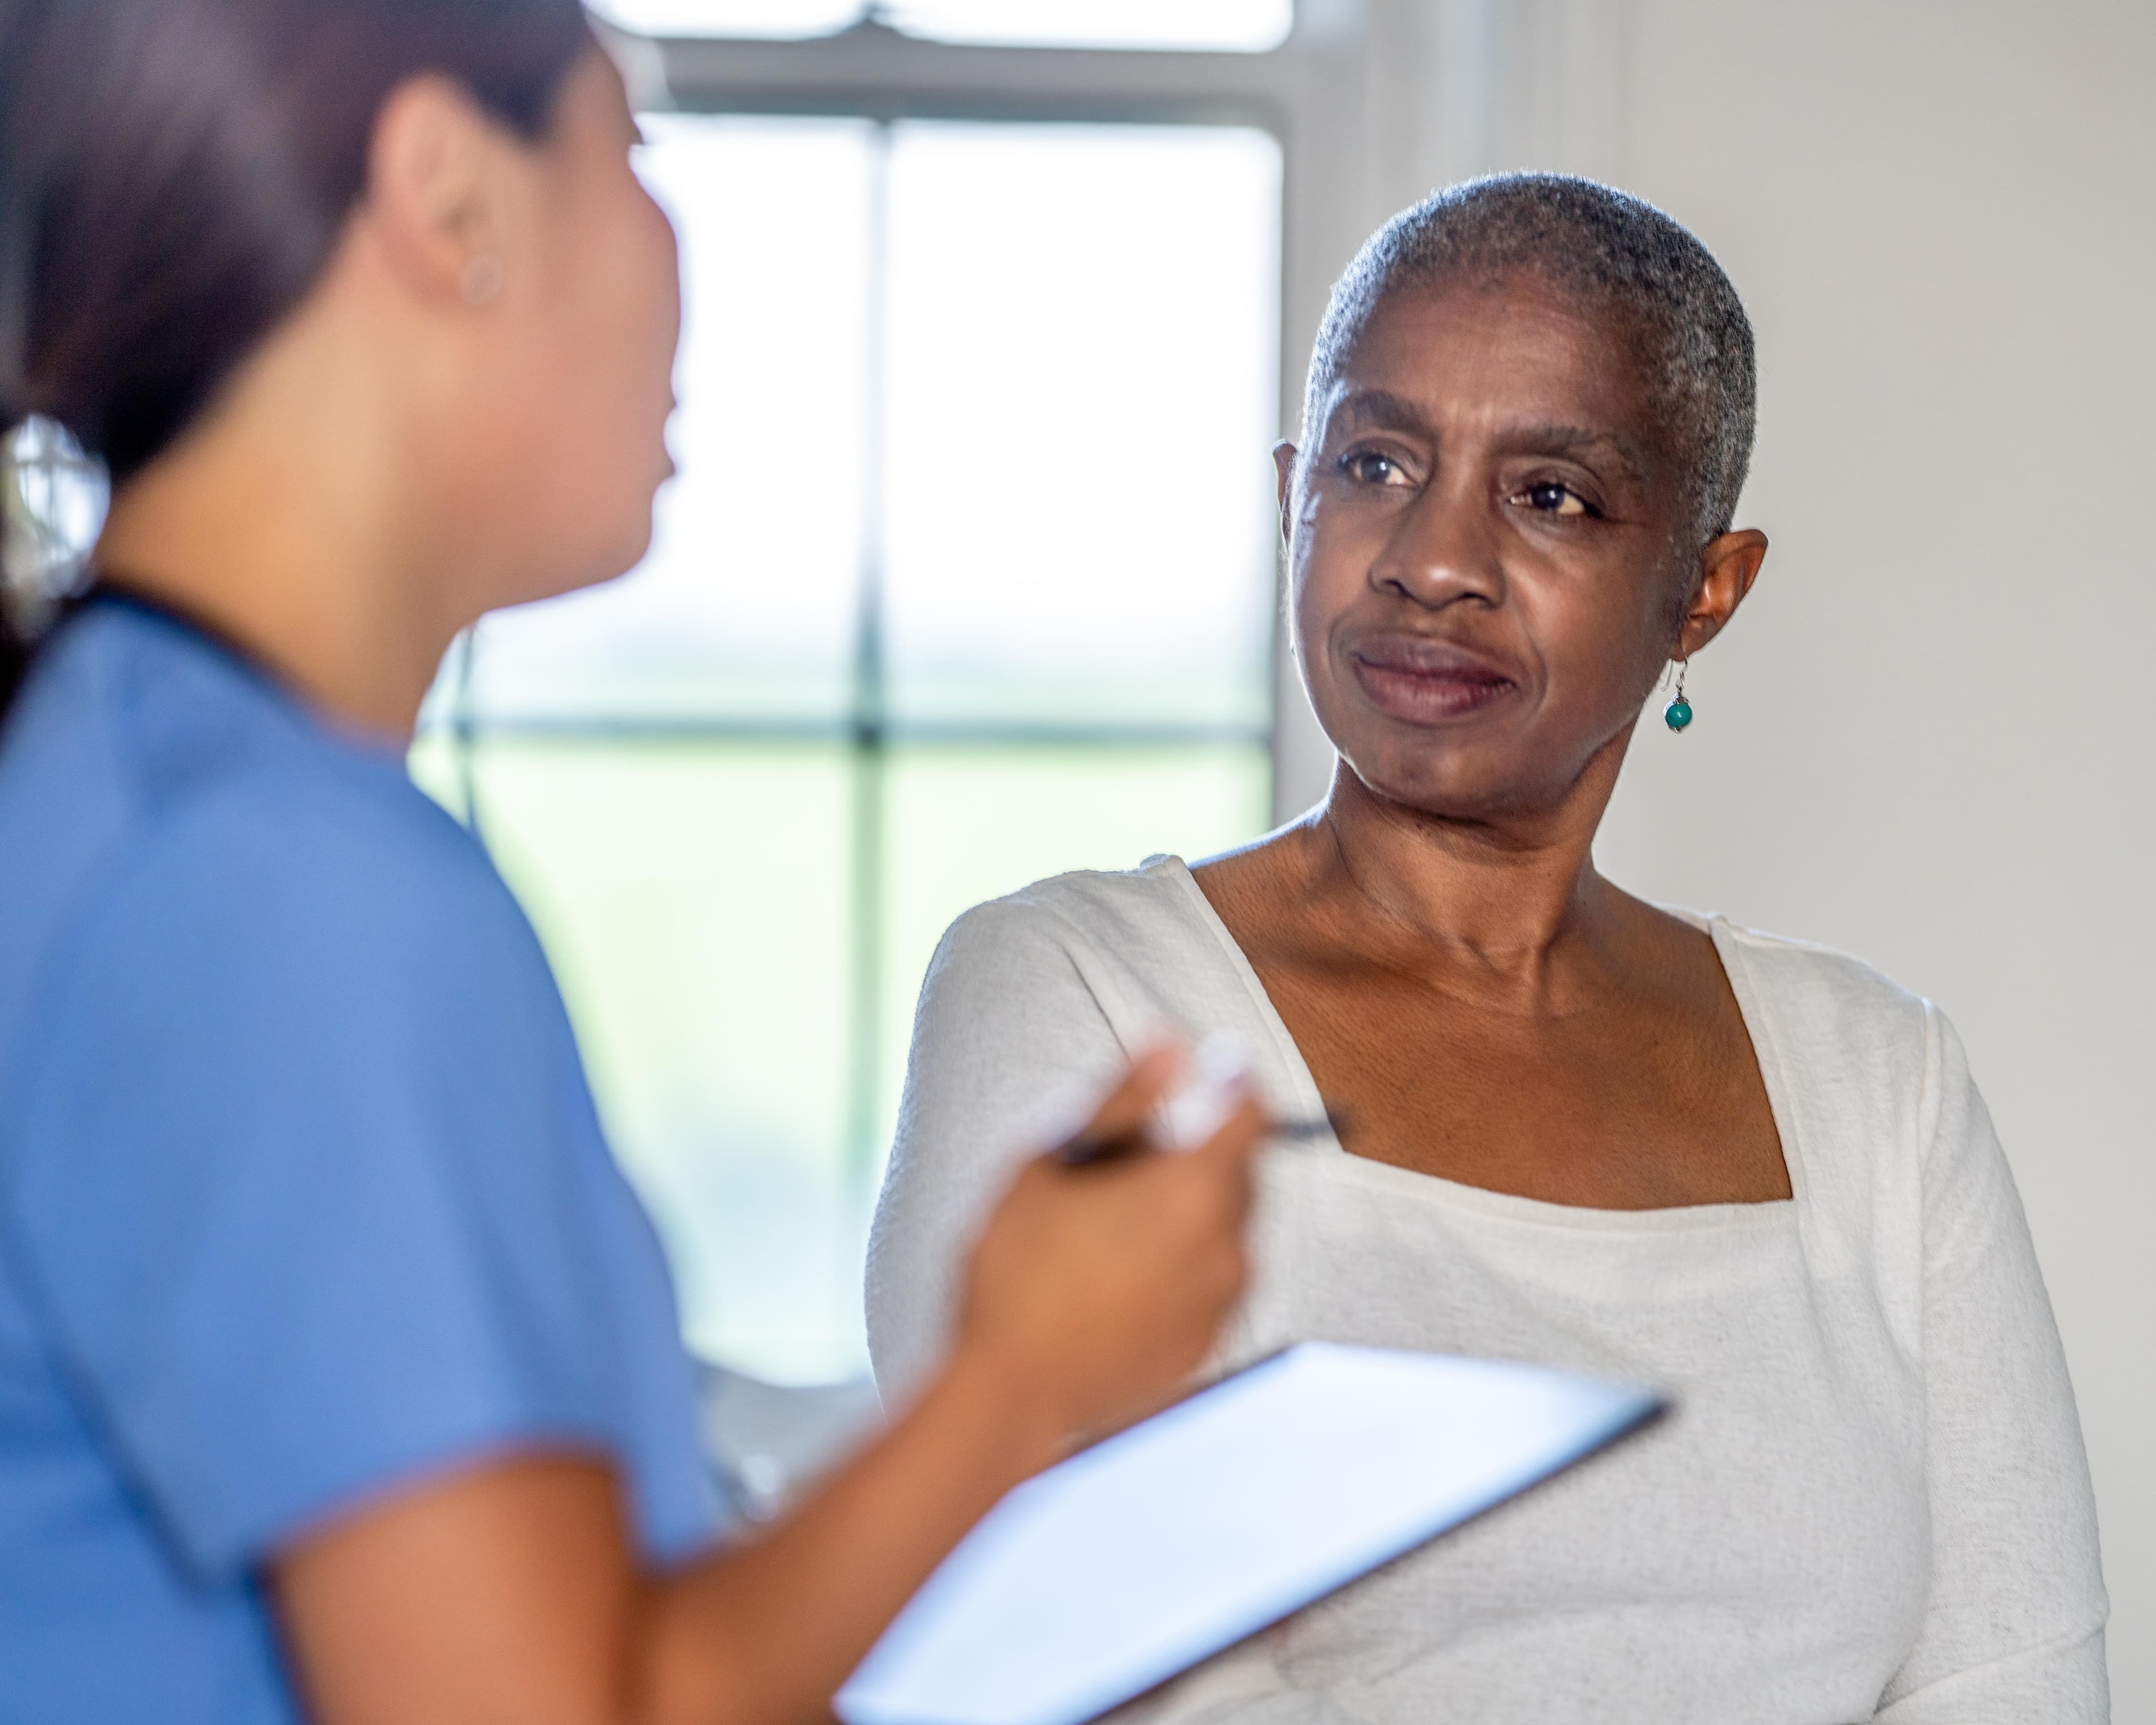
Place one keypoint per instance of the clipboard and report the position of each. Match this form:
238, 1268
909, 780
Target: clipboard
1129, 1562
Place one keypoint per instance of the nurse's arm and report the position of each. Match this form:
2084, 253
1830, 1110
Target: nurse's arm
510, 1591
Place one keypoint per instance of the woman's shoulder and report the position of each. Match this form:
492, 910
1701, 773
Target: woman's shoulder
1137, 945
171, 746
1791, 977
1112, 910
315, 852
159, 802
1860, 1058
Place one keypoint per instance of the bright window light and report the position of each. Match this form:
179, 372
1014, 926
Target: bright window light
745, 607
966, 579
1079, 522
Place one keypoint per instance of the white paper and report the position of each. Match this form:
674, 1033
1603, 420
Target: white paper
1134, 1560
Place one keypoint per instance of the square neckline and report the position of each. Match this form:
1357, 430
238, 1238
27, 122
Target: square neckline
1766, 1051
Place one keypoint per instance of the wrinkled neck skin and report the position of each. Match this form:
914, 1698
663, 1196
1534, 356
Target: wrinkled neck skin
1508, 907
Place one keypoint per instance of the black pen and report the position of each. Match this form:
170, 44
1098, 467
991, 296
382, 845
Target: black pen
1086, 1149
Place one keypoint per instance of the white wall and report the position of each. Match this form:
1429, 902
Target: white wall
1927, 739
1930, 741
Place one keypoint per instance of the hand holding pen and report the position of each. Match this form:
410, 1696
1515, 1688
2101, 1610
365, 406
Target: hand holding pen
1218, 1078
1094, 1291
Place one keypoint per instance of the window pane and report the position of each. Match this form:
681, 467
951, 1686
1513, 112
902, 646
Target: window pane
731, 18
746, 604
1018, 381
970, 823
1083, 391
693, 900
1244, 26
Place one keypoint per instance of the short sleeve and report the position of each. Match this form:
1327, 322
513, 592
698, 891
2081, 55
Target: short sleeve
2013, 1630
310, 1193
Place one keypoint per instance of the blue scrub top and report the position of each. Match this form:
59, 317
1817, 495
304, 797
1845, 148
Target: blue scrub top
302, 1196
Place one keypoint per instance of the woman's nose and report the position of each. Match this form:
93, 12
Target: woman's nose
1444, 548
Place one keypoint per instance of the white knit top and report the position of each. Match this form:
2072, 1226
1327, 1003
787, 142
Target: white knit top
1871, 1501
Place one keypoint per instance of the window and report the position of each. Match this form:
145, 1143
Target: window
967, 579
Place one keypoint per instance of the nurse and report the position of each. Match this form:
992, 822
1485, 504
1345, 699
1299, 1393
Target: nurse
339, 1374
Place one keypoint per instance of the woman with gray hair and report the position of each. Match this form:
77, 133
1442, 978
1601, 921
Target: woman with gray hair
1571, 1126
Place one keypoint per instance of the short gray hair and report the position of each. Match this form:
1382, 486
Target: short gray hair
1607, 250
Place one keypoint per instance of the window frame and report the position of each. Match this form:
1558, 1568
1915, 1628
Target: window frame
1309, 93
872, 74
1371, 103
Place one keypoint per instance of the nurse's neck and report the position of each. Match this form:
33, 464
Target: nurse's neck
316, 516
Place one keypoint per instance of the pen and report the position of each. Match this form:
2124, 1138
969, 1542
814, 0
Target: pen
1086, 1149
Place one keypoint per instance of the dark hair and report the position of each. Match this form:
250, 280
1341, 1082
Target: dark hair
1606, 248
174, 175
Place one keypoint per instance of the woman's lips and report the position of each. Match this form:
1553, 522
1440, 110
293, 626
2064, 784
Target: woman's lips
1426, 682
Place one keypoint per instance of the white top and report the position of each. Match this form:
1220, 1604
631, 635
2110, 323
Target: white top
1872, 1501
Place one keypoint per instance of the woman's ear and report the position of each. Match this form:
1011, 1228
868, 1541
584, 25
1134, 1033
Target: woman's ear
1727, 568
436, 193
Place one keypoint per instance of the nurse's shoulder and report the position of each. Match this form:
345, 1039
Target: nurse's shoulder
195, 862
151, 771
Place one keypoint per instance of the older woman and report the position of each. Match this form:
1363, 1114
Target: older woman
1577, 1127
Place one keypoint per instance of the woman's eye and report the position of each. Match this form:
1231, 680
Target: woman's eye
1372, 469
1549, 497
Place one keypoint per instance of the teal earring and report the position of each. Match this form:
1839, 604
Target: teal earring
1678, 714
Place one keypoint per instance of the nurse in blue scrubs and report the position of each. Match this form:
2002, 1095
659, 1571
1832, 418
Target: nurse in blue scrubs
339, 1374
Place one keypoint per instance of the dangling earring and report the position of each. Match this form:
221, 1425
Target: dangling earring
1678, 714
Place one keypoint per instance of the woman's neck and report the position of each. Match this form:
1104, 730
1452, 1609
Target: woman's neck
300, 537
362, 667
1504, 905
